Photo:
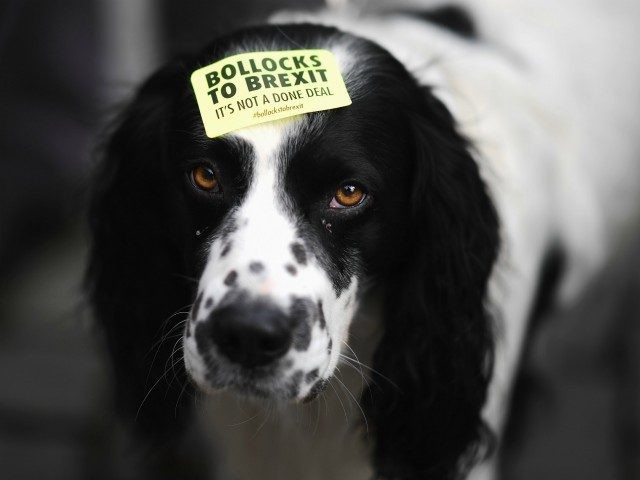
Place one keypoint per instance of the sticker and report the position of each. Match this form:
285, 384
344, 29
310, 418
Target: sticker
257, 87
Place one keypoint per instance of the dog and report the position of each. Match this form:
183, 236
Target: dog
403, 235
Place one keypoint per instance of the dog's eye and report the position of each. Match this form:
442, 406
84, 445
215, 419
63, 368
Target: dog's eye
204, 178
347, 195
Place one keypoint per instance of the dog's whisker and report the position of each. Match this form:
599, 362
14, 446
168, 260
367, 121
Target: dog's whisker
177, 348
185, 383
183, 309
266, 419
163, 335
157, 350
243, 422
368, 381
346, 417
179, 337
317, 423
337, 374
372, 370
167, 336
357, 403
169, 363
363, 380
147, 396
186, 277
173, 327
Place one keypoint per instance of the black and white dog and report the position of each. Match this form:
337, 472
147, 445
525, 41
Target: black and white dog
402, 235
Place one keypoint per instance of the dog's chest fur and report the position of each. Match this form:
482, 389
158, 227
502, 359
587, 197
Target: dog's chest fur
327, 438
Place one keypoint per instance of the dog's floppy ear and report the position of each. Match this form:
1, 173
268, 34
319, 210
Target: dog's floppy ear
437, 347
133, 277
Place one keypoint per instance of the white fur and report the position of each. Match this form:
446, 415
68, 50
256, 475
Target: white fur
317, 441
550, 100
265, 232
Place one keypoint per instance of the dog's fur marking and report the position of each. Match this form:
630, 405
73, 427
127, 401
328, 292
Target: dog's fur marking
474, 164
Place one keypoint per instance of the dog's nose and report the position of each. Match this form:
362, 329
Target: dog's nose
251, 334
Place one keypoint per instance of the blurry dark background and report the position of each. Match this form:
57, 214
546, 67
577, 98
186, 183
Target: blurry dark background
65, 68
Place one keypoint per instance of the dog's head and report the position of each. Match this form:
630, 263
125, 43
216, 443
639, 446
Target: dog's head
291, 221
282, 226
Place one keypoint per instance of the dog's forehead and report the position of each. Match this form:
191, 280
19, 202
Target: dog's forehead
267, 139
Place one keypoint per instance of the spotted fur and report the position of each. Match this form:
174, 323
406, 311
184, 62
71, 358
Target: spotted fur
447, 216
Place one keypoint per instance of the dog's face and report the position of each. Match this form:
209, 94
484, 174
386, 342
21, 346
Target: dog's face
281, 227
287, 223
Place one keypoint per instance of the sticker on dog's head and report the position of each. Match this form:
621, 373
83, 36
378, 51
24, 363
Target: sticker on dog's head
256, 87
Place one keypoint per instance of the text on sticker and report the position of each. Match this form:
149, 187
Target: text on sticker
256, 87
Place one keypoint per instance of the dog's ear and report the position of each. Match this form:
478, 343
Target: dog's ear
133, 276
437, 348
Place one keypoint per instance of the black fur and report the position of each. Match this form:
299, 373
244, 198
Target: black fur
430, 240
437, 347
136, 279
451, 17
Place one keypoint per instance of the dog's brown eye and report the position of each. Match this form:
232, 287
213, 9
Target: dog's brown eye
204, 178
347, 195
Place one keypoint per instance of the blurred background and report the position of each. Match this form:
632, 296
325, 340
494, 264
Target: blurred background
65, 68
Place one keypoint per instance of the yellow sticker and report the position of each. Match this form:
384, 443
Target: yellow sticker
257, 87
